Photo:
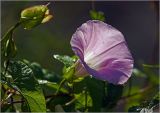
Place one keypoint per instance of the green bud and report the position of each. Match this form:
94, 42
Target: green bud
33, 16
8, 48
97, 15
11, 49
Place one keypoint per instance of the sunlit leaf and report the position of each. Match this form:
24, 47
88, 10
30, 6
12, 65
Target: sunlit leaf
66, 60
69, 65
28, 86
69, 72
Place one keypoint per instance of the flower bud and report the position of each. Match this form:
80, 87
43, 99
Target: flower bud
33, 16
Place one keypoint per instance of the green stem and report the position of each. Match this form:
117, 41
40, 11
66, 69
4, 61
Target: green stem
104, 88
12, 102
70, 102
93, 5
86, 99
130, 86
60, 85
22, 100
12, 29
48, 4
3, 101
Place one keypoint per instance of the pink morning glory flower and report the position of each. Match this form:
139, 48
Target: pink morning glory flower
102, 52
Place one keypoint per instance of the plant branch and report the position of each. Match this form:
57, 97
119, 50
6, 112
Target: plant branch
54, 95
3, 101
60, 85
12, 29
46, 97
70, 102
93, 5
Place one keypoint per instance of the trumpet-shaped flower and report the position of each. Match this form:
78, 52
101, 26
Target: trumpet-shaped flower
102, 52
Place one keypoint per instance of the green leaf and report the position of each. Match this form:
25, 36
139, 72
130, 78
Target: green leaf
41, 73
80, 86
69, 72
151, 66
97, 15
95, 89
28, 86
24, 107
69, 66
66, 60
33, 16
44, 74
83, 101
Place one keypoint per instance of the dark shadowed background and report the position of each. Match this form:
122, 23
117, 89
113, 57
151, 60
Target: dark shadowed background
138, 21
